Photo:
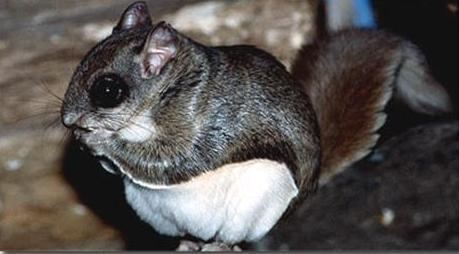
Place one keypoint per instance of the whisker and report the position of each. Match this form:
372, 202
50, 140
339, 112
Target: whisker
65, 136
141, 126
55, 121
40, 102
50, 125
50, 92
49, 129
119, 114
117, 121
130, 121
37, 115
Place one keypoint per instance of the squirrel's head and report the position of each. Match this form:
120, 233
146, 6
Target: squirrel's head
124, 90
127, 73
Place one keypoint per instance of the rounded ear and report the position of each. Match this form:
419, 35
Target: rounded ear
160, 47
136, 15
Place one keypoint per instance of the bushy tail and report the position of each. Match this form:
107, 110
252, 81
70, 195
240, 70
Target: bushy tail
350, 76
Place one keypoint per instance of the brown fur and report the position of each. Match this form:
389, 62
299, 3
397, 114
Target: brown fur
350, 76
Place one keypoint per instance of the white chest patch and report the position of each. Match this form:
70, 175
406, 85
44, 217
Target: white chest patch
236, 202
139, 129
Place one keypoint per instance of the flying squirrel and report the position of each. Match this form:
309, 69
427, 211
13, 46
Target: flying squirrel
220, 142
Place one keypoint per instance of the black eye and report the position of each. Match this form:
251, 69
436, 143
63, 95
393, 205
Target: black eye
108, 91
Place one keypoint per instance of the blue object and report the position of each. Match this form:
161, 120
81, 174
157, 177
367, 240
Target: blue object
364, 16
350, 13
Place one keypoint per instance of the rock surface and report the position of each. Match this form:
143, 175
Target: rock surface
404, 196
55, 197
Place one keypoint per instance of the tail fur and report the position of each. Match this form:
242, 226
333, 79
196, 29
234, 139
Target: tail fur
350, 76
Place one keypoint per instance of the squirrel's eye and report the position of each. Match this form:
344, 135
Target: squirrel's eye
108, 91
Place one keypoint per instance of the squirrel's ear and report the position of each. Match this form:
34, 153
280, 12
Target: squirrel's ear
160, 47
136, 15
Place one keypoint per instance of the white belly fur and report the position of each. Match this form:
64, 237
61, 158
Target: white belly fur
236, 202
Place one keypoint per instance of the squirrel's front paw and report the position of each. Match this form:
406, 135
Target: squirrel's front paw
94, 140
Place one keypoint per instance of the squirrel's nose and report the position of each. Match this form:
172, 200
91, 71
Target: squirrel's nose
70, 119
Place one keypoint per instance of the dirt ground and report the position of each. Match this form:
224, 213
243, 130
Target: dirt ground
55, 197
